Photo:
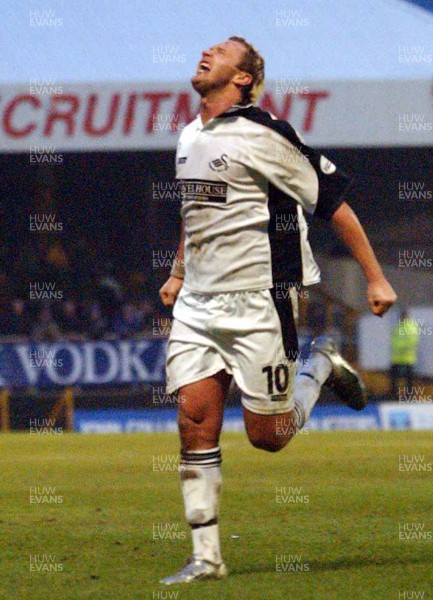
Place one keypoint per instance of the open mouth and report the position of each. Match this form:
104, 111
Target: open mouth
203, 67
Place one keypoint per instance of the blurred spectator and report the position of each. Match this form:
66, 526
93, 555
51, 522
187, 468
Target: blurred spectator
27, 266
97, 301
83, 263
95, 324
56, 266
138, 286
109, 294
15, 320
46, 328
5, 291
69, 322
128, 322
20, 319
56, 256
147, 312
4, 256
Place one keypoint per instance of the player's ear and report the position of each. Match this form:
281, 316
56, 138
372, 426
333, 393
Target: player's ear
243, 78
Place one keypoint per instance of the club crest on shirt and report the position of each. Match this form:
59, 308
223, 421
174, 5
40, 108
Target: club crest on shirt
219, 164
327, 166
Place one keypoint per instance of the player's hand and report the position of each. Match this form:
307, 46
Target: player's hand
380, 296
170, 290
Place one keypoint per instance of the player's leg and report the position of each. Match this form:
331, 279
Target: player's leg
311, 373
270, 432
265, 369
200, 420
200, 415
196, 370
324, 366
273, 418
314, 372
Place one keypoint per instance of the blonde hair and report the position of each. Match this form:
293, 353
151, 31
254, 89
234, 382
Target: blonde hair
254, 64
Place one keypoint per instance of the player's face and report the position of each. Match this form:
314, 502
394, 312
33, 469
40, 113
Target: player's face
218, 67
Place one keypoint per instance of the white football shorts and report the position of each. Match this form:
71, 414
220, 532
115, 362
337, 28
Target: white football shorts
241, 333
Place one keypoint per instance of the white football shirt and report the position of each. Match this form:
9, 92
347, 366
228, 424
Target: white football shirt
245, 178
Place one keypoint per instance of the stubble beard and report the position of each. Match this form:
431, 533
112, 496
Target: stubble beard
204, 87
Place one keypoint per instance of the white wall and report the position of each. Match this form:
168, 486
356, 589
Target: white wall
114, 40
343, 279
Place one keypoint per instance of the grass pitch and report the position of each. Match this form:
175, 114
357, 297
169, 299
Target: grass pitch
101, 517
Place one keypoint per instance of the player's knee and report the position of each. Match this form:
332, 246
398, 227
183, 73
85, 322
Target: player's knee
188, 423
194, 432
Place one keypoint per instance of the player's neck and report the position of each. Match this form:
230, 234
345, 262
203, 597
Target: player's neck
213, 105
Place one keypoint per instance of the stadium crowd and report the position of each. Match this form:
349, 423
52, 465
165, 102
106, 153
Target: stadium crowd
48, 294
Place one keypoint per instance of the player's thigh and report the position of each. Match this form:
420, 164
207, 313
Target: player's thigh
262, 360
201, 408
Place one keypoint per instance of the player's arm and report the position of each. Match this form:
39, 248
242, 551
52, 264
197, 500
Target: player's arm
171, 288
319, 187
380, 294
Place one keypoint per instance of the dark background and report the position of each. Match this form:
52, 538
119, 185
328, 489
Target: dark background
105, 198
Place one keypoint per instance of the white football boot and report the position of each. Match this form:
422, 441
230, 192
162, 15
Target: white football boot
343, 380
196, 569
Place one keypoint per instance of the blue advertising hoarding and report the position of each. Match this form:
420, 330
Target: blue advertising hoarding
82, 363
325, 417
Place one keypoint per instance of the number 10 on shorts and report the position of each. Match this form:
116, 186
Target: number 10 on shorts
277, 381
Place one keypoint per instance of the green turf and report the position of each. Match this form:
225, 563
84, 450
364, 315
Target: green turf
102, 532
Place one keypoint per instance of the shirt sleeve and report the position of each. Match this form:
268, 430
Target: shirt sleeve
277, 153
